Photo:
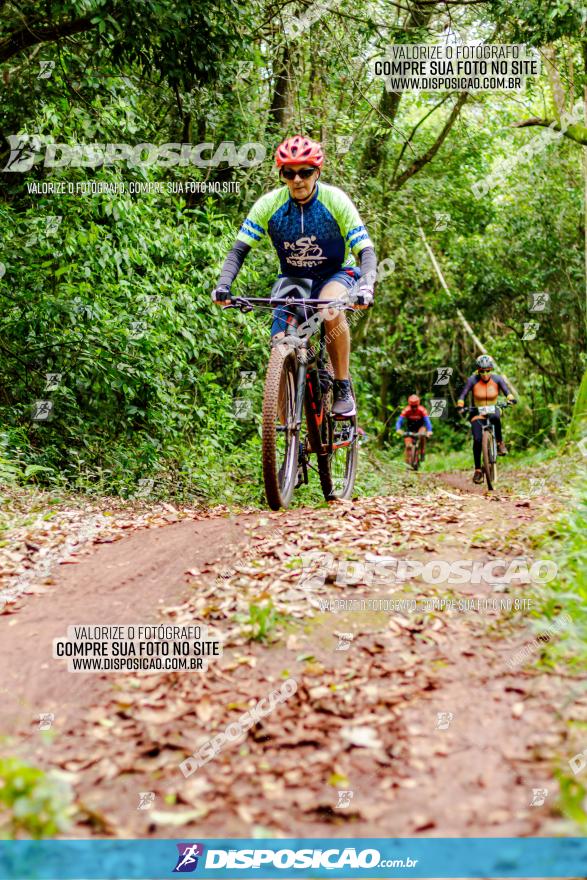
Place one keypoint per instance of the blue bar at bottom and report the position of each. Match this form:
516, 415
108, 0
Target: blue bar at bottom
495, 857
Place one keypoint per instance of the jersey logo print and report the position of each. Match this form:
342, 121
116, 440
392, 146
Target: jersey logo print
306, 253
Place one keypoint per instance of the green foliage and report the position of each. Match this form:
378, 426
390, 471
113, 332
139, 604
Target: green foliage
147, 362
32, 802
116, 298
565, 541
261, 621
10, 473
572, 796
181, 41
538, 21
578, 424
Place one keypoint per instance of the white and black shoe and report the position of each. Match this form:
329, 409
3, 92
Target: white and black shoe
344, 402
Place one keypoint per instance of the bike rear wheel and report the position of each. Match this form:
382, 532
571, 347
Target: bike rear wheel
338, 469
489, 458
280, 432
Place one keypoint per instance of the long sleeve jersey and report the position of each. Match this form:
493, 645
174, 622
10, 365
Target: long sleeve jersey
414, 414
313, 240
484, 393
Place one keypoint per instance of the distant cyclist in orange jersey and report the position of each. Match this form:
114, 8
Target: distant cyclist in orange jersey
485, 387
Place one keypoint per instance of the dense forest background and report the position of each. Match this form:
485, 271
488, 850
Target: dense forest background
111, 292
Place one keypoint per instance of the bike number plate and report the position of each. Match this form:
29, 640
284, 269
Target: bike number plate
486, 410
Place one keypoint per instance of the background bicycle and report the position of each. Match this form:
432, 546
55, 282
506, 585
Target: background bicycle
488, 439
416, 449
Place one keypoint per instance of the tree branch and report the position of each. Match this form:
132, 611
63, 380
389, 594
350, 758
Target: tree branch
417, 164
408, 140
32, 36
577, 133
419, 17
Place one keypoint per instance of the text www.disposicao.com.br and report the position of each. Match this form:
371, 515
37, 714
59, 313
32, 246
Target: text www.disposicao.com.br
107, 664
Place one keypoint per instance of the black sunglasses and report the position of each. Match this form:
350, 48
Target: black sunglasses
304, 173
484, 371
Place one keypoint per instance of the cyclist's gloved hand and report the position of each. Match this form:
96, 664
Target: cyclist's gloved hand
429, 433
221, 295
400, 433
364, 298
512, 400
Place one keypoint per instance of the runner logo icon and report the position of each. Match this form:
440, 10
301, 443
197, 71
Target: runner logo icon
187, 860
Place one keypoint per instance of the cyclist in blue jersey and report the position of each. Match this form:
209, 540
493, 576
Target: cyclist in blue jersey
317, 232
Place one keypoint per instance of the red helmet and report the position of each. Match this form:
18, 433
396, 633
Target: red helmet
299, 150
414, 400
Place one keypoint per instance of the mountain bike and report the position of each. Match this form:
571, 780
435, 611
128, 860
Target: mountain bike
488, 439
298, 388
416, 449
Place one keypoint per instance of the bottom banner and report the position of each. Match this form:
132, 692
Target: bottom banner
534, 857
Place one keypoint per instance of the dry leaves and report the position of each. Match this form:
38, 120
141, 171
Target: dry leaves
346, 727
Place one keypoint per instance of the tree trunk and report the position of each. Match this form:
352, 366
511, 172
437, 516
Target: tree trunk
390, 101
383, 414
280, 91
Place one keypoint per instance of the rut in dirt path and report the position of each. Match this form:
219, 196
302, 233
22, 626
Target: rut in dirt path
116, 582
417, 714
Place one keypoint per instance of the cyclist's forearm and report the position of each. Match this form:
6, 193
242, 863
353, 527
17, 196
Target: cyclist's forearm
233, 262
368, 263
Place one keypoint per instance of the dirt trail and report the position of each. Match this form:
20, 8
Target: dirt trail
365, 717
125, 582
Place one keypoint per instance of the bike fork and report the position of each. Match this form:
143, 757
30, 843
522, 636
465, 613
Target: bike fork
301, 385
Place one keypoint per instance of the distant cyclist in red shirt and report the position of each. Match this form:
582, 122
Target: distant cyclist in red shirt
418, 422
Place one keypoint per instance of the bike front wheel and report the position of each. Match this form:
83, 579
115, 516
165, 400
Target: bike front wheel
280, 431
415, 453
489, 458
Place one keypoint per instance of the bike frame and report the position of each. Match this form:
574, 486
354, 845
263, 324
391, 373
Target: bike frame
309, 362
308, 378
488, 426
417, 446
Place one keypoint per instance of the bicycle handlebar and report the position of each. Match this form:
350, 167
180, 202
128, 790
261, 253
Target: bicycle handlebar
471, 409
246, 304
